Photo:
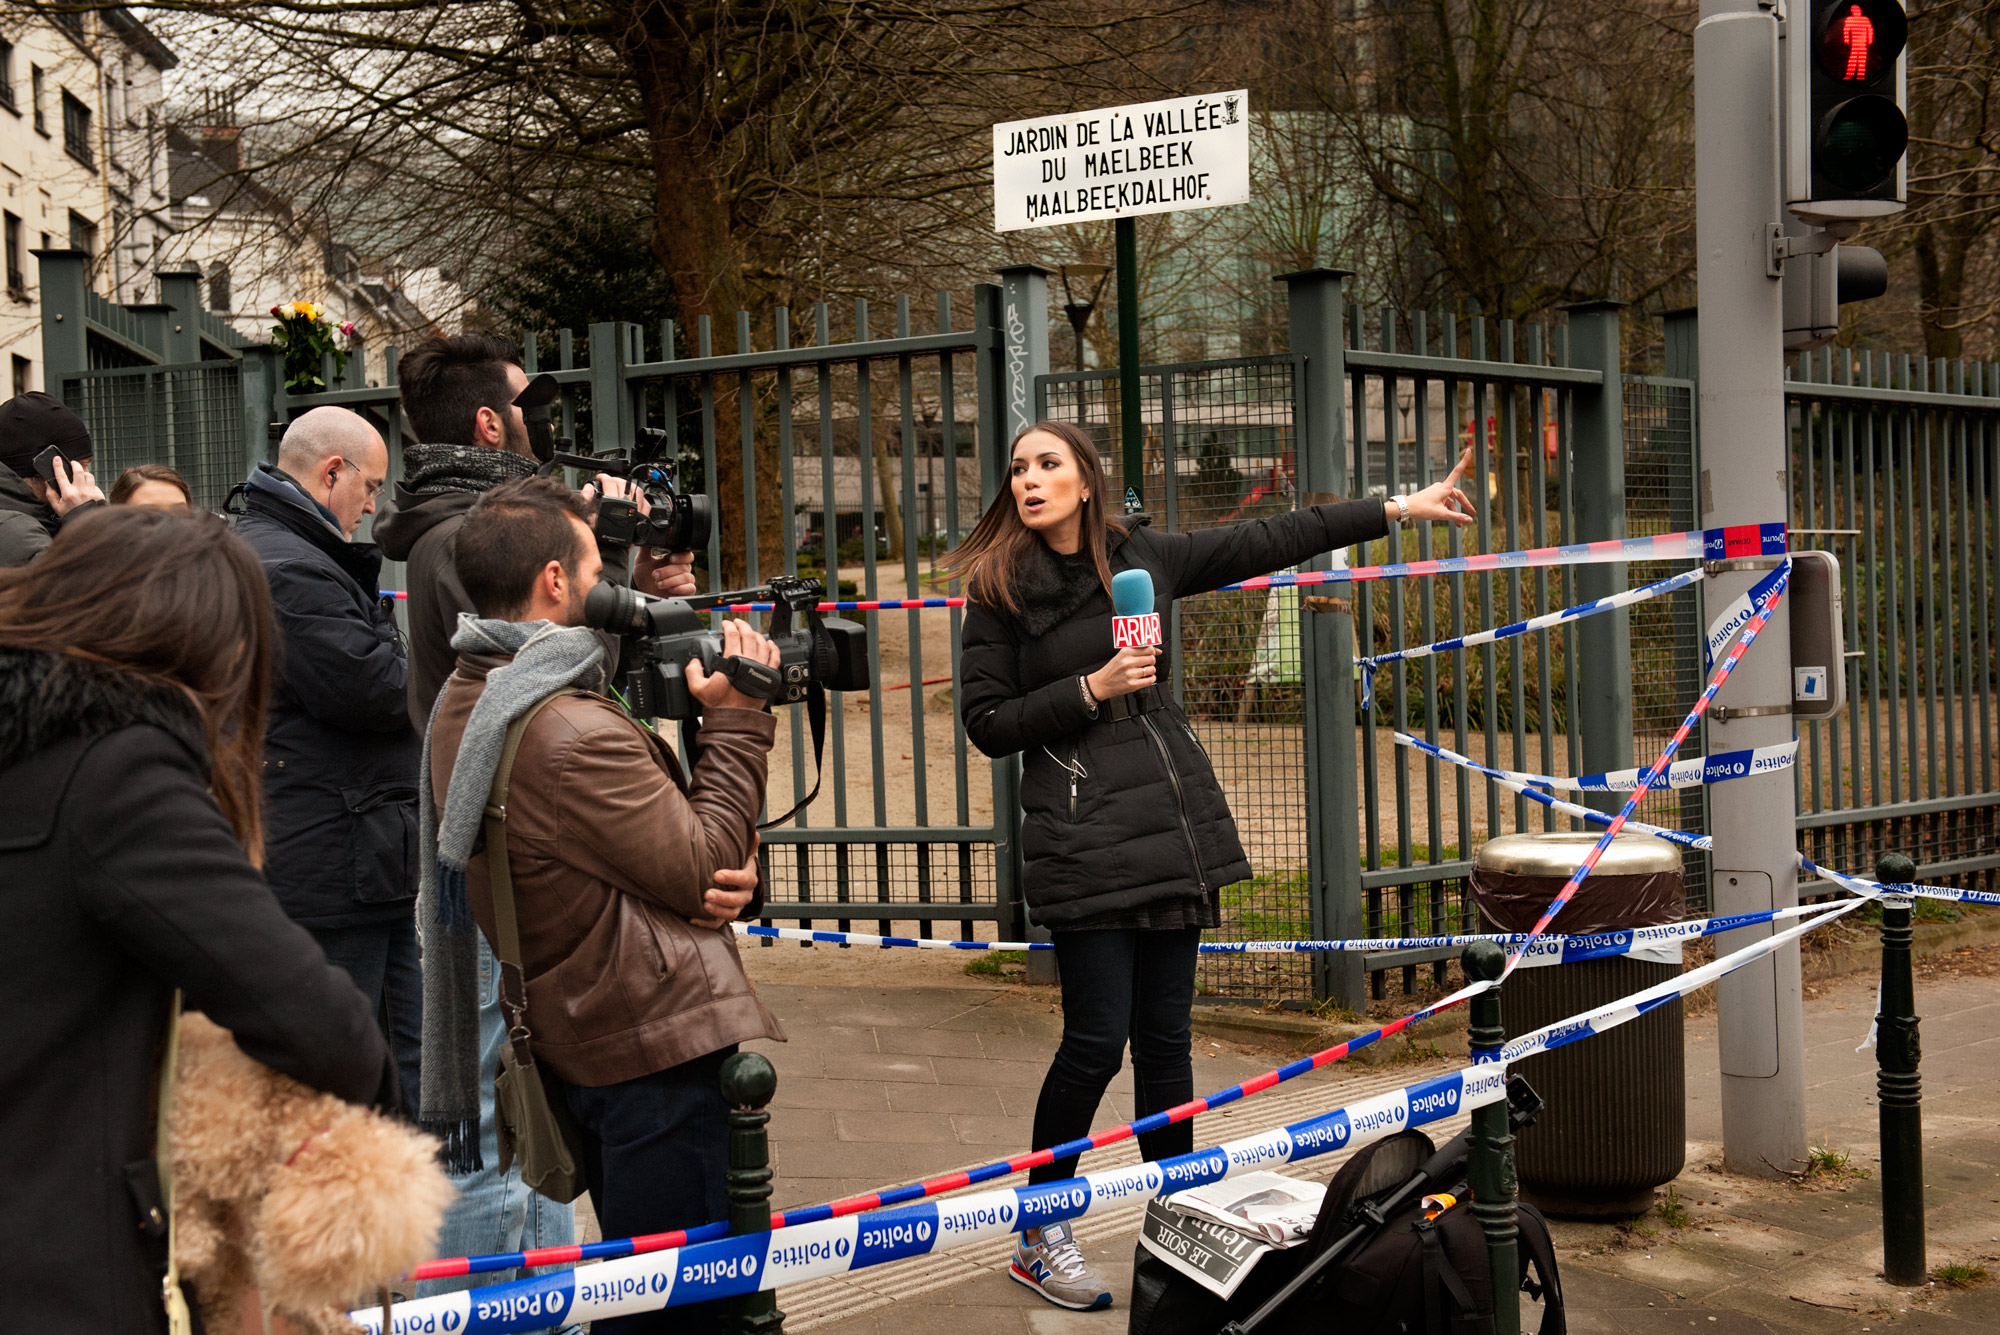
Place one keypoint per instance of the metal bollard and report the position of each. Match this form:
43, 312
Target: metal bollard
1899, 1090
748, 1082
1490, 1160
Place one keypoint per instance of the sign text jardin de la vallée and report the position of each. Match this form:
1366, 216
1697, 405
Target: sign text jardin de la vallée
1155, 157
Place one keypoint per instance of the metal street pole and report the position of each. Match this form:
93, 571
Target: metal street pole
1134, 462
1743, 481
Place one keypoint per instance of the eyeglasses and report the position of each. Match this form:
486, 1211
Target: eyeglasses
374, 489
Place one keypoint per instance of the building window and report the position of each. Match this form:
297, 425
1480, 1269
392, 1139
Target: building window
7, 75
17, 281
218, 289
76, 131
35, 82
23, 375
82, 233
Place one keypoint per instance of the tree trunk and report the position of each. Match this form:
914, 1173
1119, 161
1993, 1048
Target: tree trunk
694, 240
888, 492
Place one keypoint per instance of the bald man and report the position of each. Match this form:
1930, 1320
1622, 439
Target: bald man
340, 756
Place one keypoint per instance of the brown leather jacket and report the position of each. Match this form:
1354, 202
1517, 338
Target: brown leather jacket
612, 852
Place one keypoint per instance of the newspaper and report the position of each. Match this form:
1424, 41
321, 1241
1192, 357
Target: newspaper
1215, 1235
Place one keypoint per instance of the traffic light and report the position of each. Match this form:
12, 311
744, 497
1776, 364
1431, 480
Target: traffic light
1815, 285
1845, 131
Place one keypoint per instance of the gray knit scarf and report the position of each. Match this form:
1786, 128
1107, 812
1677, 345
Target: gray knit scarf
433, 468
545, 658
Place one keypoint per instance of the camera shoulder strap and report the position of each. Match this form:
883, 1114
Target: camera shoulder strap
500, 878
816, 716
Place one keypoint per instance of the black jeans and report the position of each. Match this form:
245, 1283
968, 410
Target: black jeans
382, 960
1119, 985
654, 1155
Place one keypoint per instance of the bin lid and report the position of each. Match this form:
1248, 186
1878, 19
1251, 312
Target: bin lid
1558, 853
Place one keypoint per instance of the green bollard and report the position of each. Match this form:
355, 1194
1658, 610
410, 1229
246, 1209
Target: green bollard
1490, 1160
748, 1082
1899, 1091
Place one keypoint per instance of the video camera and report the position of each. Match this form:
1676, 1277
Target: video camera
667, 635
678, 522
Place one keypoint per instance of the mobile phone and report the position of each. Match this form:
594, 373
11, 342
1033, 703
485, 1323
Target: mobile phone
45, 462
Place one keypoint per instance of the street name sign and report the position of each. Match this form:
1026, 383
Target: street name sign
1122, 162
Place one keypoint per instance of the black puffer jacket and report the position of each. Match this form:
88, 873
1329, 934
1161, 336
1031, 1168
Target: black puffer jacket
1147, 823
340, 756
122, 881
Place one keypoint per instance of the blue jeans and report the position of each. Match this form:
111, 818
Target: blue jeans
496, 1212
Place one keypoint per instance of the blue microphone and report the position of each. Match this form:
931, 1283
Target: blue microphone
1134, 623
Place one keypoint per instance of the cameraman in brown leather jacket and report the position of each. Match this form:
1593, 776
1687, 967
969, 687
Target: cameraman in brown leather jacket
627, 873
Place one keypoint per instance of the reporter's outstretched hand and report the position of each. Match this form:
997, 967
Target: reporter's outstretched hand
74, 487
1441, 502
734, 888
716, 691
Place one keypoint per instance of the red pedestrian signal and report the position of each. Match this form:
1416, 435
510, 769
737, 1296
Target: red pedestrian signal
1846, 133
1859, 40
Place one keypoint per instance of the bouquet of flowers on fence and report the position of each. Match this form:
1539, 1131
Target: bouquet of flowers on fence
307, 338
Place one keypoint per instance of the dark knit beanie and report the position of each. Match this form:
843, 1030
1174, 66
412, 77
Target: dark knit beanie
31, 422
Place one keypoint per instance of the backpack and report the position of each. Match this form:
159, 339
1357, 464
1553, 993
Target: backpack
1404, 1276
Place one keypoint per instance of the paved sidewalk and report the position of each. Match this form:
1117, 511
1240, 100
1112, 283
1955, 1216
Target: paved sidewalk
901, 1067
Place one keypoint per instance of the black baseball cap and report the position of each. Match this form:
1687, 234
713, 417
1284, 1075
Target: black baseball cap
31, 422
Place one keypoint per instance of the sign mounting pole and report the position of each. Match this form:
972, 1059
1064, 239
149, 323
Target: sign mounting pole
1133, 430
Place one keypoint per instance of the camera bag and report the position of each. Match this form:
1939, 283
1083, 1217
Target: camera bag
534, 1124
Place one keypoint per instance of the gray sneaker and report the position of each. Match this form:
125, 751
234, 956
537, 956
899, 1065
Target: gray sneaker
1054, 1268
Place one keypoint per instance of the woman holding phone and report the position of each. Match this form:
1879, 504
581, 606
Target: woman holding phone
1127, 837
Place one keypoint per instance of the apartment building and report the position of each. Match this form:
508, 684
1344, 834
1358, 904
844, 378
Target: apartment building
82, 163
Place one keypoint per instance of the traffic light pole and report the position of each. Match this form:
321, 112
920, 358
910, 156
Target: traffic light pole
1738, 201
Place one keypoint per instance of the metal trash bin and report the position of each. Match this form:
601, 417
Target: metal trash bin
1615, 1122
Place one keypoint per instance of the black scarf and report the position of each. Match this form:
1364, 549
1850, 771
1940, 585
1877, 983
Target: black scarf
430, 469
46, 698
1050, 587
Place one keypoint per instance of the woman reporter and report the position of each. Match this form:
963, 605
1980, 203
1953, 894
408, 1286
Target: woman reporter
1127, 837
135, 659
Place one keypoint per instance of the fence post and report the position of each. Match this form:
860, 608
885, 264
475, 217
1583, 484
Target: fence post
1603, 701
1490, 1159
1024, 302
1326, 642
990, 379
748, 1082
181, 292
64, 279
261, 377
1899, 1089
611, 423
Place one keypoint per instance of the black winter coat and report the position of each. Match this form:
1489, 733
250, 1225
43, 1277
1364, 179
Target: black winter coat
122, 881
1146, 823
340, 756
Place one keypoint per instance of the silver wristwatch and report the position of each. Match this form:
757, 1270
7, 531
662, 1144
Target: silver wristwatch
1089, 700
1402, 509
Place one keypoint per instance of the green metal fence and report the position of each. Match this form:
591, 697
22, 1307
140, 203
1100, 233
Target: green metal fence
1893, 465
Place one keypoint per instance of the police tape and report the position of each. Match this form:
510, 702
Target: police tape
617, 1247
1647, 775
1735, 617
1718, 768
731, 1266
1856, 884
1627, 598
1553, 948
1613, 1014
735, 1265
1714, 544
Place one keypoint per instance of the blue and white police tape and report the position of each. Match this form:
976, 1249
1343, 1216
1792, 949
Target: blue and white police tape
1627, 598
1613, 1014
1660, 942
1861, 885
752, 1262
1556, 804
1690, 773
1733, 618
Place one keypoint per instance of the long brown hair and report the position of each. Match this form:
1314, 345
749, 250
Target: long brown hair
177, 600
990, 557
